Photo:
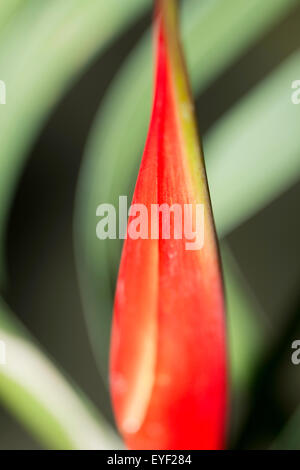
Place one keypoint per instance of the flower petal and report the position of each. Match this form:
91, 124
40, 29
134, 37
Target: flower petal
168, 355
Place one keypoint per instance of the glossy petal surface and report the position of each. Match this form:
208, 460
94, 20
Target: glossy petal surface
168, 355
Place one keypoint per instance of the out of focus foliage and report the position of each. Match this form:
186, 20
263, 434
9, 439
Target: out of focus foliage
242, 58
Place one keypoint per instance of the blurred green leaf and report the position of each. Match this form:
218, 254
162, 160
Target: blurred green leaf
43, 399
7, 10
117, 140
247, 328
43, 49
254, 149
289, 439
249, 335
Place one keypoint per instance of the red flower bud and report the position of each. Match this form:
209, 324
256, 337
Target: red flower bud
168, 354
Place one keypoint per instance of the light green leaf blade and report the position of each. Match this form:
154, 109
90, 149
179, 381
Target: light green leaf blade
254, 149
42, 51
289, 438
116, 142
249, 333
41, 397
43, 48
7, 10
247, 325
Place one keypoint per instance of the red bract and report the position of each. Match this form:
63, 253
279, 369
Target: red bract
168, 357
